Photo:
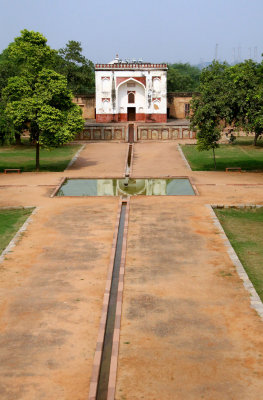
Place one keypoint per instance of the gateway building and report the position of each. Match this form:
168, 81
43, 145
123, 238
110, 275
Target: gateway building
131, 91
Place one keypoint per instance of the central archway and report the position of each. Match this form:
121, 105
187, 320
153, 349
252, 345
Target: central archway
131, 100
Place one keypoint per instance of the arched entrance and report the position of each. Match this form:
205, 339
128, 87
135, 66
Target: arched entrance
130, 100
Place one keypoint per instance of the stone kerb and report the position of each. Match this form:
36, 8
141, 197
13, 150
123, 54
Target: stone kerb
14, 240
255, 300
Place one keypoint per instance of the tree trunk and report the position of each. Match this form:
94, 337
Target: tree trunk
256, 138
18, 139
37, 154
214, 157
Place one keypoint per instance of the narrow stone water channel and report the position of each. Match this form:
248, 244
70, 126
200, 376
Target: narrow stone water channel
102, 388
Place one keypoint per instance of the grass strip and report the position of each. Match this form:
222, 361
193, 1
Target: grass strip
23, 157
10, 222
244, 229
240, 154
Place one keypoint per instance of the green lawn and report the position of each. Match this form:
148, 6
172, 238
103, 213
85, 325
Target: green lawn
23, 157
10, 222
240, 154
244, 229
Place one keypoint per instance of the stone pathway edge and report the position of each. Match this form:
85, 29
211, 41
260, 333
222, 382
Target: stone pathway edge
255, 300
183, 157
117, 325
75, 157
18, 234
100, 338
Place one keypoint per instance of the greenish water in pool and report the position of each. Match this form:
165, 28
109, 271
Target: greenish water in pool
126, 187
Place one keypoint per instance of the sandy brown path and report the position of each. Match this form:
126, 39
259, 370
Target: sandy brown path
100, 159
51, 290
156, 160
187, 325
187, 329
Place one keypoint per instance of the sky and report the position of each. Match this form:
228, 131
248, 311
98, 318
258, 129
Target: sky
191, 31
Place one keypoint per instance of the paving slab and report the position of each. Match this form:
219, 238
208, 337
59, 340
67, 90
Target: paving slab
51, 292
187, 328
100, 159
157, 159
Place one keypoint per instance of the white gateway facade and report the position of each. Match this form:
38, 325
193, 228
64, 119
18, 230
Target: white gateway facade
134, 91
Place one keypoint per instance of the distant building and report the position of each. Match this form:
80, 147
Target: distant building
131, 91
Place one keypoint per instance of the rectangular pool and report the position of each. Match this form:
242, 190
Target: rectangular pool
127, 187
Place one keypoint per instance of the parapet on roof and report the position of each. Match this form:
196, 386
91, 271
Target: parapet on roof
133, 64
124, 66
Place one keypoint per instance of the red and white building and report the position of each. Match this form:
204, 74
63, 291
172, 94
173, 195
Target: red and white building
131, 91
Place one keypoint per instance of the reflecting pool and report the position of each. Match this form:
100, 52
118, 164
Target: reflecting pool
126, 187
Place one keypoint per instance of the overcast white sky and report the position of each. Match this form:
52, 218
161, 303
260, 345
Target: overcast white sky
155, 30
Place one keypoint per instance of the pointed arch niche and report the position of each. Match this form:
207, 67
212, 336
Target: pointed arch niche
129, 92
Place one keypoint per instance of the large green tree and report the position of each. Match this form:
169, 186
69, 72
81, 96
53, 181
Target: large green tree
78, 70
244, 97
209, 108
231, 95
38, 98
182, 77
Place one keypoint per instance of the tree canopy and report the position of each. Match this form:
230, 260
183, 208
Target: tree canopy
38, 98
228, 95
182, 77
78, 70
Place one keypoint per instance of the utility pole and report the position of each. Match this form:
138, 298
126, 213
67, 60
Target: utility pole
239, 53
216, 51
234, 55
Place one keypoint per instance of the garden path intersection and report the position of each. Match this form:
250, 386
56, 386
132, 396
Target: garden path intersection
187, 331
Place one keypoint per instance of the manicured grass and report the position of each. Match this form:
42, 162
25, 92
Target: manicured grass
240, 154
23, 157
244, 229
10, 222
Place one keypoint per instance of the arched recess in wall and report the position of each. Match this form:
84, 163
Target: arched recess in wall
156, 84
106, 105
105, 84
122, 97
131, 97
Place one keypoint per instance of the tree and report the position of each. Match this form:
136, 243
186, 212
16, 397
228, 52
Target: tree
209, 108
245, 97
182, 77
78, 70
38, 98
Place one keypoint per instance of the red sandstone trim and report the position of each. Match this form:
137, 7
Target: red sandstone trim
193, 185
130, 66
121, 79
123, 117
98, 352
58, 187
116, 335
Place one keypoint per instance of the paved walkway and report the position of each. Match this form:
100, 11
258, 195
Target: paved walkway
187, 330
